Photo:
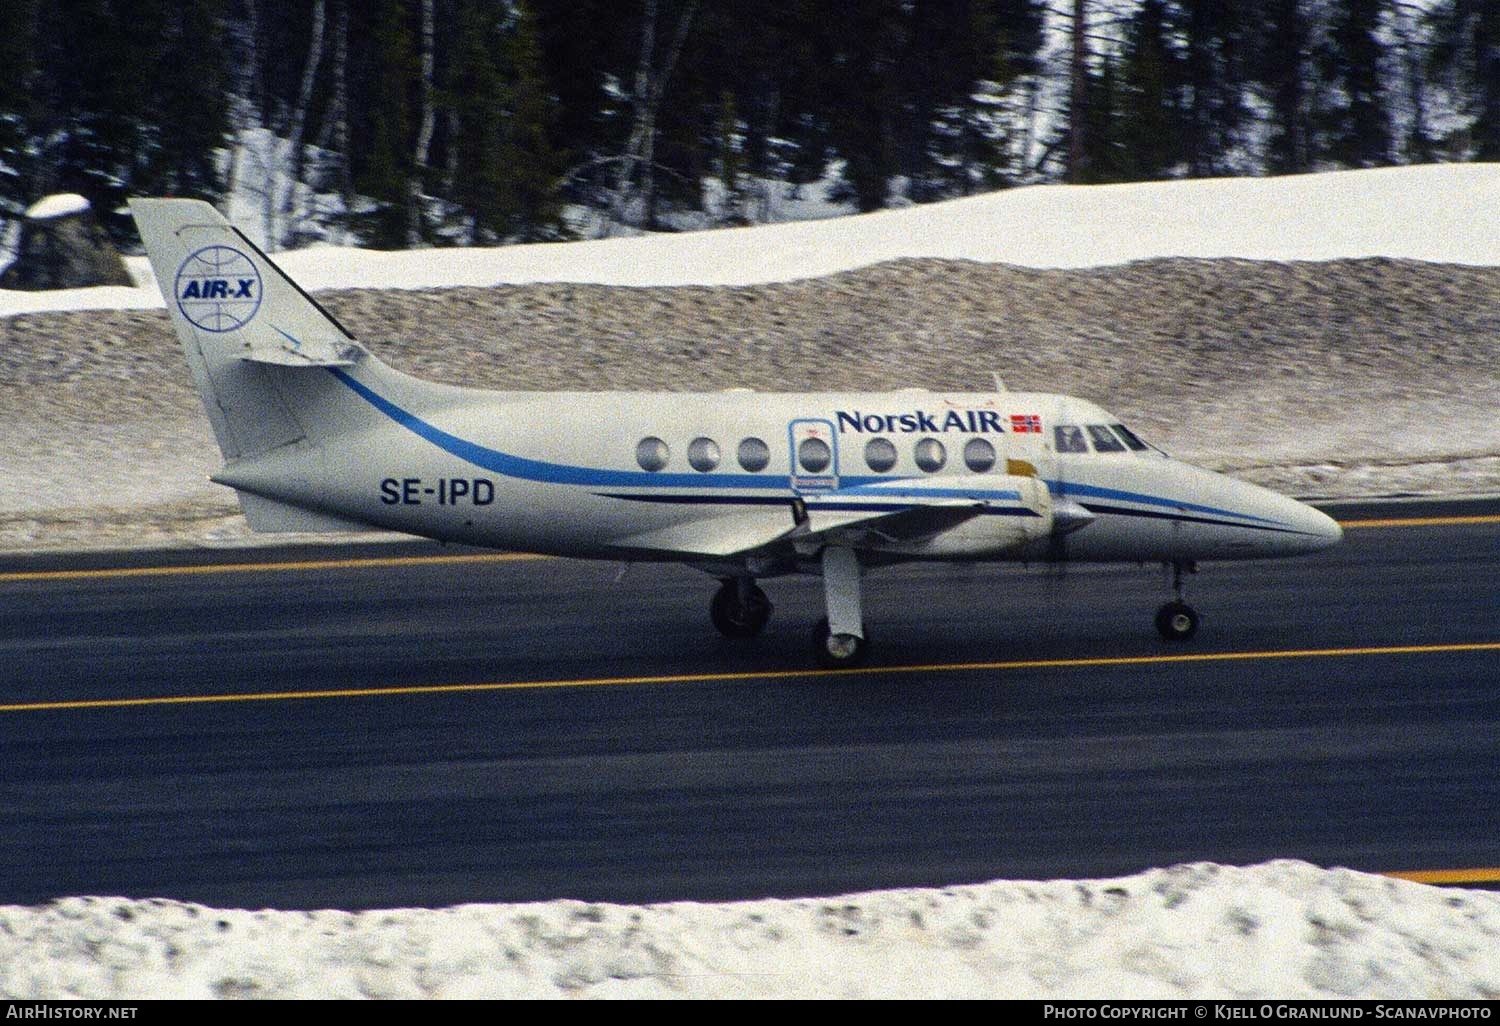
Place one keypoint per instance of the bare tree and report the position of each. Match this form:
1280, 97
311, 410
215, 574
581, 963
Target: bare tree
637, 203
424, 133
334, 136
244, 111
1410, 51
291, 169
1078, 88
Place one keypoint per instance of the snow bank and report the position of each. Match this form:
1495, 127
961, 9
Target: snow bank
1442, 212
1280, 930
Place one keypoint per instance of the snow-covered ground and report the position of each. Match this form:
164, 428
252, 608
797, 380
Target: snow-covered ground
1279, 930
1445, 213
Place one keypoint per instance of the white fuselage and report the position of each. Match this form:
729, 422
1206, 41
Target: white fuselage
635, 474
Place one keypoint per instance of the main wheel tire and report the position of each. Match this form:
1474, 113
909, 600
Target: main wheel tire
735, 619
838, 651
1177, 621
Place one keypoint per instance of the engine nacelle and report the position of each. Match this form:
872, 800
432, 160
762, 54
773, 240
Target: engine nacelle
1004, 513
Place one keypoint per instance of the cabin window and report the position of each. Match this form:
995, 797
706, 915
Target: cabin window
754, 455
1104, 439
652, 453
703, 454
931, 455
1069, 438
814, 455
880, 455
979, 455
1130, 437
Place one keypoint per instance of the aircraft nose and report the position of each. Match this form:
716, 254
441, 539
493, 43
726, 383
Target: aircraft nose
1320, 529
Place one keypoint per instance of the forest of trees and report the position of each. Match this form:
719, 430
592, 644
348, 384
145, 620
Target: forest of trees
420, 122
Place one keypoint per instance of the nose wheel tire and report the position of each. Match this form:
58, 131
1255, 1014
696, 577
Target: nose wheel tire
836, 651
1177, 621
739, 612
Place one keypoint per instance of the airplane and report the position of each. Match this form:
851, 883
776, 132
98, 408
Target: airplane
318, 434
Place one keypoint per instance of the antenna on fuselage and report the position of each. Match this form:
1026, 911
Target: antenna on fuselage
999, 381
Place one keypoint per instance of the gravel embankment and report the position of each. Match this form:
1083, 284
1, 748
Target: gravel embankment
1345, 377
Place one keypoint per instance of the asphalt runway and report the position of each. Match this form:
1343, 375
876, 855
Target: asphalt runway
366, 726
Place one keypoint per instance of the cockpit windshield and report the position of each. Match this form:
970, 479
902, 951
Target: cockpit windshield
1130, 438
1069, 438
1105, 438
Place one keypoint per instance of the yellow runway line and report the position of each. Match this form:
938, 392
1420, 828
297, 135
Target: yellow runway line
713, 678
1446, 876
242, 568
1418, 522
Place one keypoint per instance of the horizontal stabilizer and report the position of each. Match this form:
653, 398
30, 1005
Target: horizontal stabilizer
284, 350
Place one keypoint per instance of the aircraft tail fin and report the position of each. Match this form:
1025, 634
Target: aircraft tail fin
246, 328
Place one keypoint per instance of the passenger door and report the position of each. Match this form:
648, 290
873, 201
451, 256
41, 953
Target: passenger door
814, 456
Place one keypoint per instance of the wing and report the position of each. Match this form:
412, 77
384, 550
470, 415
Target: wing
900, 517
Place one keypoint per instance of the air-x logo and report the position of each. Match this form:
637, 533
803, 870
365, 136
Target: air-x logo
218, 288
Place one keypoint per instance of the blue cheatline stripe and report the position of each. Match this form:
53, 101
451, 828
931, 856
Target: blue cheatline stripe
1124, 511
898, 492
562, 473
293, 339
1095, 492
594, 477
814, 505
539, 470
894, 507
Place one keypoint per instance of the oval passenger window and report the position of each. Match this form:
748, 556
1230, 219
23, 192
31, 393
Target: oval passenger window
754, 455
814, 455
652, 453
880, 455
703, 454
979, 455
931, 455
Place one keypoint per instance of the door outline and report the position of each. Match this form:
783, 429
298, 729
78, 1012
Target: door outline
802, 482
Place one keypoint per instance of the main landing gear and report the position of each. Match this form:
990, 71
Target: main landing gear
1178, 621
740, 610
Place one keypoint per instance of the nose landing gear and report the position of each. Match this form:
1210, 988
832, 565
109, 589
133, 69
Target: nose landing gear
1178, 621
839, 639
834, 651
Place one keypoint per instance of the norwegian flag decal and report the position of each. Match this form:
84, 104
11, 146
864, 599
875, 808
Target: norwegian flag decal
1025, 423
